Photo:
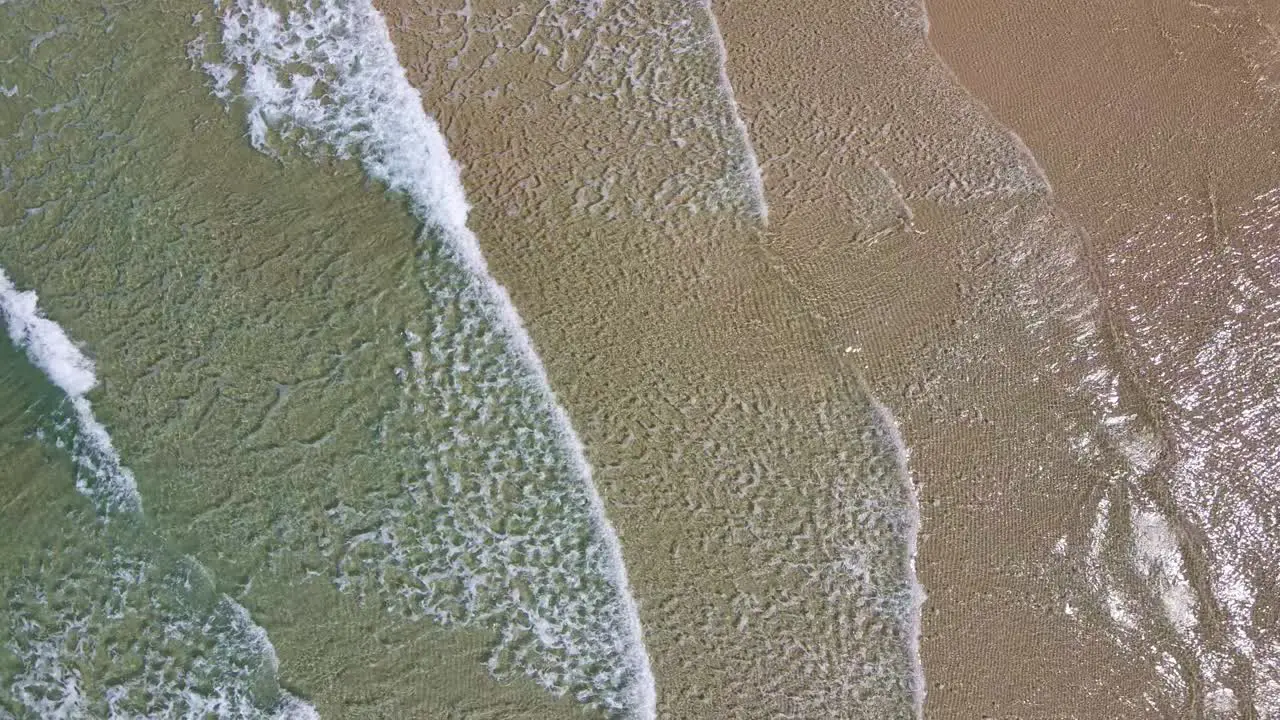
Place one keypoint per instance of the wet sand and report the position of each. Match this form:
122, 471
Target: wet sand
1128, 106
938, 306
735, 451
711, 364
719, 369
1157, 126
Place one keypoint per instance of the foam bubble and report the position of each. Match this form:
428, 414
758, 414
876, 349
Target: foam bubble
94, 601
326, 79
355, 100
101, 477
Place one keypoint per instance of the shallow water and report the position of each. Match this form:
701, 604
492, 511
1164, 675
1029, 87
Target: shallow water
337, 430
253, 399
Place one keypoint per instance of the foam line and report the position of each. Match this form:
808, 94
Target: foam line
360, 103
45, 342
1024, 150
104, 479
754, 177
889, 426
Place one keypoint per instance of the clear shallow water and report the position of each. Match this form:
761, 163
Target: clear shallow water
567, 630
321, 414
502, 525
1175, 559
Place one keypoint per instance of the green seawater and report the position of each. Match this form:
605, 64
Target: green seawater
247, 316
355, 497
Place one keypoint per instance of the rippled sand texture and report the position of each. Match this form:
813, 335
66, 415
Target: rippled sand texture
762, 509
497, 523
905, 233
927, 237
1162, 146
748, 299
532, 67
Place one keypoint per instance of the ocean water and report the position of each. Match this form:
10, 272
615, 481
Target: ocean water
100, 621
528, 555
277, 443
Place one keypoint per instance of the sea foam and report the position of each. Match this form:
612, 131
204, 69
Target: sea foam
189, 652
892, 433
326, 79
102, 477
752, 177
95, 596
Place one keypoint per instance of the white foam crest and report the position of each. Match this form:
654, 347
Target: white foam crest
103, 478
255, 641
359, 101
45, 342
354, 98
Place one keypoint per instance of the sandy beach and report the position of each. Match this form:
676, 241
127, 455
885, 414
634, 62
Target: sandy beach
1156, 125
727, 428
922, 359
925, 245
989, 425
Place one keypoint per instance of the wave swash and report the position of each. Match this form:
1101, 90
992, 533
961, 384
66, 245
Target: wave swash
177, 648
101, 478
501, 523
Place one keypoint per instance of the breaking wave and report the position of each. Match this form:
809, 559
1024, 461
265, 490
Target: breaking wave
175, 647
520, 536
101, 476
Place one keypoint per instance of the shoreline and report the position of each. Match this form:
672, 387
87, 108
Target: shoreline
935, 297
1158, 147
732, 446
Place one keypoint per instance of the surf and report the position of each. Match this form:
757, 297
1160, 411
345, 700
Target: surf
103, 478
752, 176
50, 633
325, 79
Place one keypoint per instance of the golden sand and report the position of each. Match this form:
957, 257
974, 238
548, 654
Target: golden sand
1157, 126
